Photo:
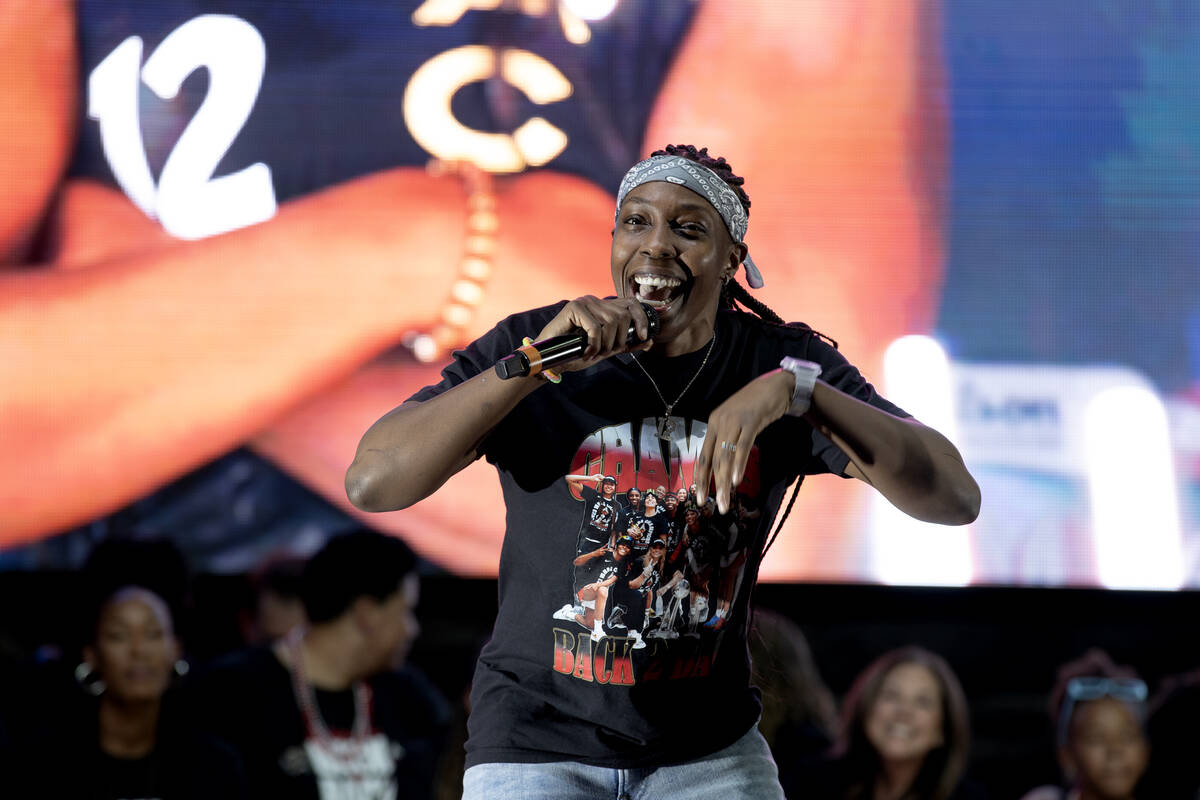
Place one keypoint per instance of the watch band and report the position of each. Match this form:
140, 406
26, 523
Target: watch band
806, 373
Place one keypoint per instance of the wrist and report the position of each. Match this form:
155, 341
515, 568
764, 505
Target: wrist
805, 374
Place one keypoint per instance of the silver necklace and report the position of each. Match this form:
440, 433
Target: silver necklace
666, 426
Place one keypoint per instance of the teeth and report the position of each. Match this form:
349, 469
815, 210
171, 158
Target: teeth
656, 281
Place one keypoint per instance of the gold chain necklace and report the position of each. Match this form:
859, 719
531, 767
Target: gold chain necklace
666, 426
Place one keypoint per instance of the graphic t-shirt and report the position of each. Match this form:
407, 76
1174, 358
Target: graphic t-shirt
248, 699
656, 688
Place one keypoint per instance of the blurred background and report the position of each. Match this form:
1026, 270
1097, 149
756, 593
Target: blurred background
236, 233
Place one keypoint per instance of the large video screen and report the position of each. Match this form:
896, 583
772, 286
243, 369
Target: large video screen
235, 233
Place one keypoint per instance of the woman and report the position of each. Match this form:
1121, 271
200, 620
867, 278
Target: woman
1099, 712
126, 742
799, 718
562, 714
905, 733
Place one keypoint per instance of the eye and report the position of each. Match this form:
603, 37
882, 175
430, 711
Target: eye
690, 229
635, 219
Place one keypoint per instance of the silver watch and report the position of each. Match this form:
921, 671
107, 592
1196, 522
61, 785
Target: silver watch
806, 373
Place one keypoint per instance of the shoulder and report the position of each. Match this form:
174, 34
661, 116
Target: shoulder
521, 323
239, 671
755, 327
1045, 793
777, 339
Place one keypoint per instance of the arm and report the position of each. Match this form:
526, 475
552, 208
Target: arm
37, 119
580, 480
586, 557
414, 449
916, 468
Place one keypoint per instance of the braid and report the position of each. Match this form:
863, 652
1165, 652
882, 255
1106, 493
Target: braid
733, 292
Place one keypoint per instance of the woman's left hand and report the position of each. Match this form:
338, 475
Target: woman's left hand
732, 429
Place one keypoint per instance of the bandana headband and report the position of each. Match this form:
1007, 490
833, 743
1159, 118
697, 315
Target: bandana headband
704, 182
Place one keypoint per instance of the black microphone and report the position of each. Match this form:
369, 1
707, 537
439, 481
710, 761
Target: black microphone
534, 358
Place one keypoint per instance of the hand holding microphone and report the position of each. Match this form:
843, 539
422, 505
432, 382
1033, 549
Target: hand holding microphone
546, 353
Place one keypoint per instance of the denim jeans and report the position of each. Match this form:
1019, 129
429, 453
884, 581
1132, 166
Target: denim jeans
745, 769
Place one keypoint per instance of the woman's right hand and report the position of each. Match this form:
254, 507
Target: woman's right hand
606, 323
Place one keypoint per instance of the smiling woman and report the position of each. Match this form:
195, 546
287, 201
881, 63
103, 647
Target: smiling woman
128, 739
905, 733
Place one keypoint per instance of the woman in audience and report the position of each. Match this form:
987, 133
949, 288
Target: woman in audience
1099, 713
905, 734
120, 741
799, 716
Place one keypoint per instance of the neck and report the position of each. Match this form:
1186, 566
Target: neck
896, 779
1088, 793
128, 730
329, 662
684, 344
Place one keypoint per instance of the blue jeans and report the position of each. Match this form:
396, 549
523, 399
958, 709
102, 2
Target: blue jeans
745, 769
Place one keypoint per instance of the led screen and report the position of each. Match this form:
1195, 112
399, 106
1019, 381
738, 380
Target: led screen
235, 234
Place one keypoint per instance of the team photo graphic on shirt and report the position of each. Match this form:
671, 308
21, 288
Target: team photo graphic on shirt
656, 574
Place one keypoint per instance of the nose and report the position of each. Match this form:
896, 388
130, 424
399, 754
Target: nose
658, 243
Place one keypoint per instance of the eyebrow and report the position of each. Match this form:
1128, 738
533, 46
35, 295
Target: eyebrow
689, 206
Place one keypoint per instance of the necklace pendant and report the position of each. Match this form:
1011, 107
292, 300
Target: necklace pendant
666, 427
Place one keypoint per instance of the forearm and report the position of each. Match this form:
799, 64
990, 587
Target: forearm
167, 358
410, 452
916, 468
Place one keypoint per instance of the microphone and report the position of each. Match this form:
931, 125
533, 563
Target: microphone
545, 354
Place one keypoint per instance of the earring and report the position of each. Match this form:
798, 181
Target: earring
182, 667
86, 677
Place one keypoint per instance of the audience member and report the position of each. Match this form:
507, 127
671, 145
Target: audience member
1099, 713
277, 606
799, 716
1174, 772
328, 711
121, 738
905, 735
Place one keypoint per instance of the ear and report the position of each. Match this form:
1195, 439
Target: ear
1066, 762
89, 655
365, 612
737, 254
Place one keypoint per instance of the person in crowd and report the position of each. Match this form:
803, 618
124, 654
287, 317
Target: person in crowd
799, 717
277, 605
564, 714
331, 710
904, 735
1099, 714
123, 738
598, 529
1174, 770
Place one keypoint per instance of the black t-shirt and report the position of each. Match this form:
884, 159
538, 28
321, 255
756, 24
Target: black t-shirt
248, 699
826, 778
1174, 771
64, 760
544, 689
